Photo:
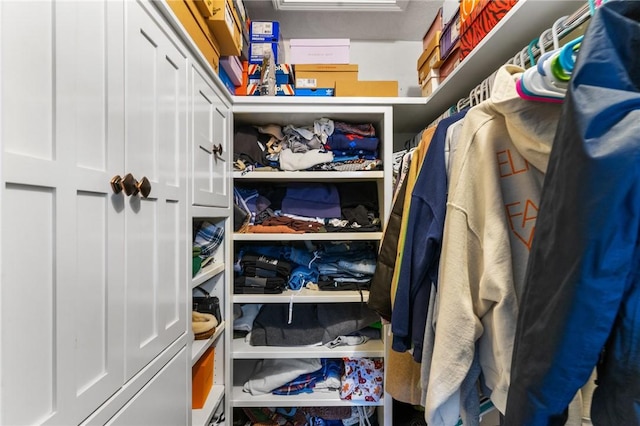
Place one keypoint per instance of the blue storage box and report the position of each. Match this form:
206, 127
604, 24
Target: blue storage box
226, 80
315, 92
258, 49
265, 31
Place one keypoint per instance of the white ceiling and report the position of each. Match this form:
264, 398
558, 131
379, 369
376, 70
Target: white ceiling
407, 25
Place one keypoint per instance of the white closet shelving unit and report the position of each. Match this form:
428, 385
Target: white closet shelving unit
258, 111
209, 170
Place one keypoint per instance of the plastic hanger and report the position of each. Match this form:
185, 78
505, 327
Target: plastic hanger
532, 44
528, 97
568, 53
535, 84
539, 82
551, 70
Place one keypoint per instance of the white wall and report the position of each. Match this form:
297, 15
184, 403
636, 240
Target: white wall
393, 60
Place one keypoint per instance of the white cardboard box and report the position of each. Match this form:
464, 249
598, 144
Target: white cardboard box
319, 51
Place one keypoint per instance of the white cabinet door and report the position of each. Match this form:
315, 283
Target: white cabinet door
209, 143
61, 298
155, 148
164, 401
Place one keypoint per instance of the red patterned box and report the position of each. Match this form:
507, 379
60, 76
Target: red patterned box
484, 16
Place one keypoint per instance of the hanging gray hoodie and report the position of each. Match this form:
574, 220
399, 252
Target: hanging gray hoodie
494, 192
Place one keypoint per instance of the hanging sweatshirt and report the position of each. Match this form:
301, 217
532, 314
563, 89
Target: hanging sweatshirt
492, 205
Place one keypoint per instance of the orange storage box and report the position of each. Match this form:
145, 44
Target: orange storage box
193, 22
436, 25
366, 88
429, 59
202, 379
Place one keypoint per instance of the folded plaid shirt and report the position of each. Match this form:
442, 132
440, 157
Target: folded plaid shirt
208, 238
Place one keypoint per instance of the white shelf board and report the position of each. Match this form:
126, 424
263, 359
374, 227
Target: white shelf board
313, 399
243, 103
198, 347
207, 273
304, 296
310, 176
205, 212
243, 350
202, 416
316, 236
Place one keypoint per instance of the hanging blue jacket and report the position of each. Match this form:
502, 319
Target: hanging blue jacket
419, 266
581, 304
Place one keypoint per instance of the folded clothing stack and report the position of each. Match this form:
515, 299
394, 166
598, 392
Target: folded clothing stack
208, 237
261, 274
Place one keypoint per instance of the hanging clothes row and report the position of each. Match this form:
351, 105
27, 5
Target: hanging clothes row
459, 262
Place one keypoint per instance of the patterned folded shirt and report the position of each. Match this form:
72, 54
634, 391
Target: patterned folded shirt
208, 238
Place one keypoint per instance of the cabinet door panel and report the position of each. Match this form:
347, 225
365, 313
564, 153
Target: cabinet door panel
209, 129
163, 401
27, 60
155, 227
61, 293
28, 293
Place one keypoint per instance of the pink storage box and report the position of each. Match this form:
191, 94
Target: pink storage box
319, 50
233, 67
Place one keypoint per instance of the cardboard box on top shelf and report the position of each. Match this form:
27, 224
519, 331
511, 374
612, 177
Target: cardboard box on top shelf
482, 18
450, 36
429, 59
226, 26
374, 88
205, 7
428, 86
258, 50
202, 378
233, 67
265, 31
242, 11
242, 89
284, 73
451, 63
324, 76
226, 80
319, 50
315, 92
195, 25
436, 26
466, 8
281, 90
